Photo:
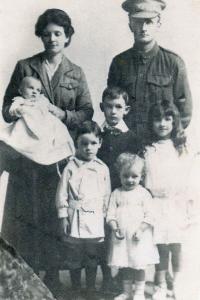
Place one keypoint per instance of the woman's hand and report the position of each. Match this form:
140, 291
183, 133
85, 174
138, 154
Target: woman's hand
57, 112
17, 107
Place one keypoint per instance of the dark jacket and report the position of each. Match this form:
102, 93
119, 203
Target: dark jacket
68, 89
158, 75
112, 146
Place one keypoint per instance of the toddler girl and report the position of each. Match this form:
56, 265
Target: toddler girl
82, 200
130, 218
164, 169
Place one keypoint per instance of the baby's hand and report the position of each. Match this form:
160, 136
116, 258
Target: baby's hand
118, 234
137, 235
16, 111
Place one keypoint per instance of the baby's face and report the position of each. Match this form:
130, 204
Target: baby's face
130, 177
31, 88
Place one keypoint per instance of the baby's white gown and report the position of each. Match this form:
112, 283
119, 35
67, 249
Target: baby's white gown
38, 134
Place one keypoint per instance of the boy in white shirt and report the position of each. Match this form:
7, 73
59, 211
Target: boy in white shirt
82, 200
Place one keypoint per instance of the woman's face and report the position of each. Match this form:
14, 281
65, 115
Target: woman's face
54, 38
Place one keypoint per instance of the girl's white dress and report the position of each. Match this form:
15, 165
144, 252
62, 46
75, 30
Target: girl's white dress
165, 174
129, 209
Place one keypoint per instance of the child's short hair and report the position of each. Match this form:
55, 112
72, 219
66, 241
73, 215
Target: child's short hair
127, 160
88, 127
164, 109
115, 92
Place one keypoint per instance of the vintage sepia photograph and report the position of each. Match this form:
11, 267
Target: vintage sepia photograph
100, 150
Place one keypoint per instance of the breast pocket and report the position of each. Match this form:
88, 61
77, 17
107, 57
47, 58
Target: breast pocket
68, 93
160, 88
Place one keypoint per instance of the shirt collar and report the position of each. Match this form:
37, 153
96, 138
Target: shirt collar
80, 162
121, 126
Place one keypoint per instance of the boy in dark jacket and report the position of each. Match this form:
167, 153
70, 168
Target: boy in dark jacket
117, 138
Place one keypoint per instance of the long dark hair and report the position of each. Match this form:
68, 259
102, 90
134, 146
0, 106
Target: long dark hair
162, 110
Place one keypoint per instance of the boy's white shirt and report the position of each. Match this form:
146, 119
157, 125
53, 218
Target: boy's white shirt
83, 194
121, 126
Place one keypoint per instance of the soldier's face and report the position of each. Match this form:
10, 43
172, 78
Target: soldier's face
144, 30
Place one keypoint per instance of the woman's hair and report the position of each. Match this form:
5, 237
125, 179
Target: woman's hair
127, 160
115, 92
162, 110
88, 127
58, 17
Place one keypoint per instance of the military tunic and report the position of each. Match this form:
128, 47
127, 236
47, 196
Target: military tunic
149, 78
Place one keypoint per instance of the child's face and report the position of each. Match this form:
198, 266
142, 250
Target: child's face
130, 177
30, 89
114, 110
87, 146
163, 127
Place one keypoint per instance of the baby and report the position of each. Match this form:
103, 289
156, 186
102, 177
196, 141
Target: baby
36, 133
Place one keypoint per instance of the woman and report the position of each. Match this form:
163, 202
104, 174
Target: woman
29, 222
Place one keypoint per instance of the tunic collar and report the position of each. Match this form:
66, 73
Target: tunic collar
145, 57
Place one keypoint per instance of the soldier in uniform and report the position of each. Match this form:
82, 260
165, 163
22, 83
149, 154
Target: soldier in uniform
148, 72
